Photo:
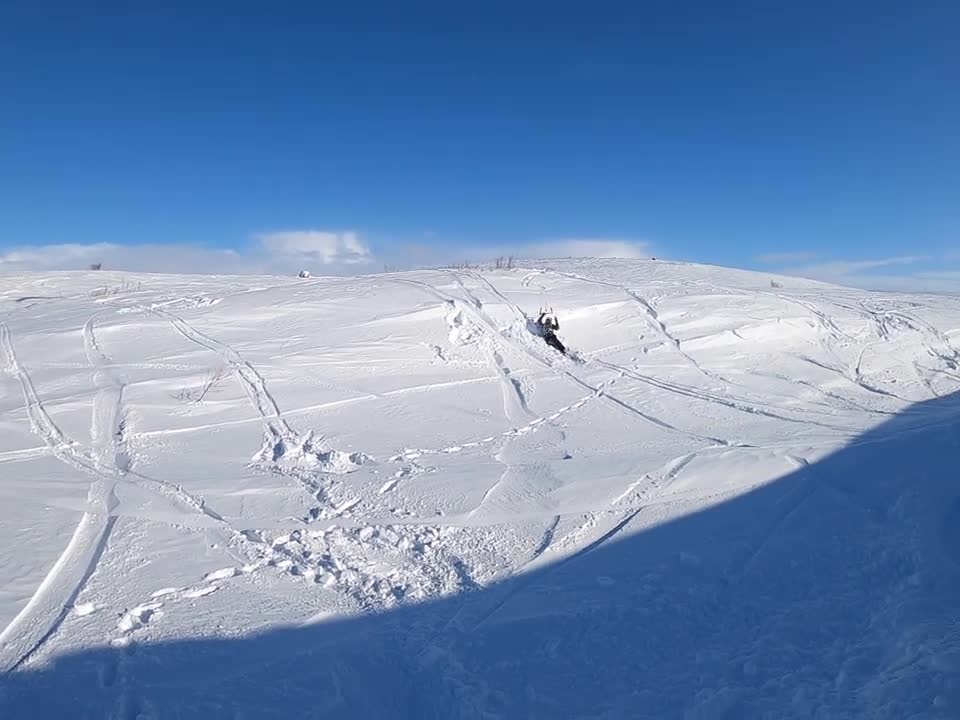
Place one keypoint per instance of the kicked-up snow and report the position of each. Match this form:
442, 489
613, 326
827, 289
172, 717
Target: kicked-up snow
385, 497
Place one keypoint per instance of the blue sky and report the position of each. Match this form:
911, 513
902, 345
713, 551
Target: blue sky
820, 138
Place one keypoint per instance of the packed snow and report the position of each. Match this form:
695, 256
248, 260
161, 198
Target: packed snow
385, 497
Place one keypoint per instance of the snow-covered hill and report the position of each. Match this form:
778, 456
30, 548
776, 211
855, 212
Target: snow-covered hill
247, 497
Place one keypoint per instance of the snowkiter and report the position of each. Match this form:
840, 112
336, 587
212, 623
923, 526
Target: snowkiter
548, 326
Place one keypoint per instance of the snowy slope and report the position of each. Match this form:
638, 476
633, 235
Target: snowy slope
384, 497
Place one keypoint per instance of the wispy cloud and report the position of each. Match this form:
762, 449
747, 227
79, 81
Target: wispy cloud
839, 268
285, 251
587, 247
904, 273
274, 252
317, 246
906, 282
553, 248
784, 257
952, 275
146, 258
347, 252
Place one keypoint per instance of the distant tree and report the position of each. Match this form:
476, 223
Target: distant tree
96, 266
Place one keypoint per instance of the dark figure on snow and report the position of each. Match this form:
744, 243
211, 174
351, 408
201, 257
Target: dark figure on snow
549, 325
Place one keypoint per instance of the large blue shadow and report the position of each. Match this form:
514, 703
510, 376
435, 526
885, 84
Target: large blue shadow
833, 592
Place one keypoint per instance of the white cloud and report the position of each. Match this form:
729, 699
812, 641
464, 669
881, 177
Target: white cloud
840, 268
279, 252
902, 273
587, 247
337, 253
289, 251
785, 257
544, 249
861, 273
915, 282
951, 275
317, 246
146, 258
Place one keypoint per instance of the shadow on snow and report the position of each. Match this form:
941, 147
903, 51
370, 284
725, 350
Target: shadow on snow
832, 592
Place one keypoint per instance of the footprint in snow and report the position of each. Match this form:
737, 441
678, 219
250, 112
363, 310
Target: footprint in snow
950, 532
108, 673
201, 591
163, 592
392, 482
222, 574
139, 617
252, 536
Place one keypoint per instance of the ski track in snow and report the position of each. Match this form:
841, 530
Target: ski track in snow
659, 481
107, 426
51, 602
484, 322
253, 383
345, 576
531, 426
309, 462
90, 539
484, 609
547, 538
732, 402
650, 314
600, 390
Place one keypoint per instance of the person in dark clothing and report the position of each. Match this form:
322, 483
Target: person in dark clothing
549, 325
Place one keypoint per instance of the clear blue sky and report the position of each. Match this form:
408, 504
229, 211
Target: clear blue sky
715, 131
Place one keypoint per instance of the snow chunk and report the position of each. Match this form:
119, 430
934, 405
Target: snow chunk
84, 609
201, 592
139, 616
221, 574
163, 592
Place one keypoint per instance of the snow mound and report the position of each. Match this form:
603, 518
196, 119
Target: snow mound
308, 454
462, 331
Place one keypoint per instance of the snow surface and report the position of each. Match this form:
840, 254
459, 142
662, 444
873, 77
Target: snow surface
248, 497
